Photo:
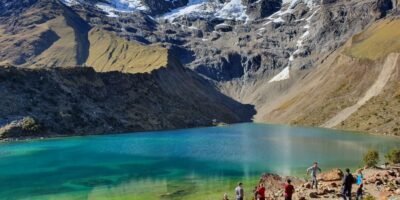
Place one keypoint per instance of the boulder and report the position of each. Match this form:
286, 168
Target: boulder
371, 180
223, 28
397, 191
392, 173
332, 175
378, 182
333, 184
313, 195
19, 127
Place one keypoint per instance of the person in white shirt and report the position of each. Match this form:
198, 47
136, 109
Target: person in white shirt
239, 192
314, 170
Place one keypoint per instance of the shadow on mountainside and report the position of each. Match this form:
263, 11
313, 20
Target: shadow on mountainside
80, 101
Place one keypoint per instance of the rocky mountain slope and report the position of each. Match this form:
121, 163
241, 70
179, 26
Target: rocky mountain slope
355, 88
329, 63
90, 81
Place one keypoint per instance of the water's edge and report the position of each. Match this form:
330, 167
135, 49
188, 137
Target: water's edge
55, 136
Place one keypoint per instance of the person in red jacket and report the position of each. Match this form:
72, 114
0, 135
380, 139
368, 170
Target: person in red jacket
289, 190
261, 192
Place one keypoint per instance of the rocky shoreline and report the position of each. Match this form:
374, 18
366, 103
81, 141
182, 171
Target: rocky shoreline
379, 183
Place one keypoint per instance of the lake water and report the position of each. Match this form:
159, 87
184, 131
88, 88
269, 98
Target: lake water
201, 163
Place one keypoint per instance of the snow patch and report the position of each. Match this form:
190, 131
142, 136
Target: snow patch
278, 20
113, 7
283, 75
69, 2
233, 9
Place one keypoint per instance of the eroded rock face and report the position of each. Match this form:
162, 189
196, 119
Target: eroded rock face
158, 7
8, 8
262, 8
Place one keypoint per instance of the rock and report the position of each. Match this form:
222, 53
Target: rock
20, 127
262, 8
397, 191
371, 180
323, 192
223, 28
313, 195
378, 182
333, 184
392, 173
333, 175
307, 185
302, 198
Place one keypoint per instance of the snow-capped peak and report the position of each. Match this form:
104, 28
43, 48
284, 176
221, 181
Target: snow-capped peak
234, 9
113, 7
293, 3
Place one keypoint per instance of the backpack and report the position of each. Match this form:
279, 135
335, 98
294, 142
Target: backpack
350, 179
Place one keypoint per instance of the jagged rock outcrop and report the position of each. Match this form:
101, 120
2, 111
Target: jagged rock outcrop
262, 8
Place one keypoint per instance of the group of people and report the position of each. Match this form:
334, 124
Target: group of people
314, 170
259, 191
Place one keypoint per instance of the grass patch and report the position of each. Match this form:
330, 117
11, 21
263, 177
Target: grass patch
377, 42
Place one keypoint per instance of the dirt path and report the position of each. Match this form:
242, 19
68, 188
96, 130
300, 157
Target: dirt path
375, 89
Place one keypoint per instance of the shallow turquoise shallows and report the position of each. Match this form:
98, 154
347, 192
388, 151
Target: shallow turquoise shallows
201, 163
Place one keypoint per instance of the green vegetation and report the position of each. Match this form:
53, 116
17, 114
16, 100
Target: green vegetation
369, 197
377, 42
109, 52
371, 158
30, 125
393, 156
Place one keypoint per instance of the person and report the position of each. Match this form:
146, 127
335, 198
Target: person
225, 197
360, 183
348, 181
239, 192
314, 170
255, 192
360, 192
289, 190
261, 192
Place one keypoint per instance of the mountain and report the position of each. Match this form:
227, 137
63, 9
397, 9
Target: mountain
355, 88
328, 63
48, 88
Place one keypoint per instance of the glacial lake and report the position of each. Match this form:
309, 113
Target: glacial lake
200, 163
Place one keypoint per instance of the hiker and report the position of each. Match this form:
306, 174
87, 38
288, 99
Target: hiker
314, 172
239, 192
348, 181
360, 192
360, 183
255, 193
225, 197
289, 190
261, 192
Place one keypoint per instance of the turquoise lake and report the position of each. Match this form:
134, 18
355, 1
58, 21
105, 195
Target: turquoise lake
201, 163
